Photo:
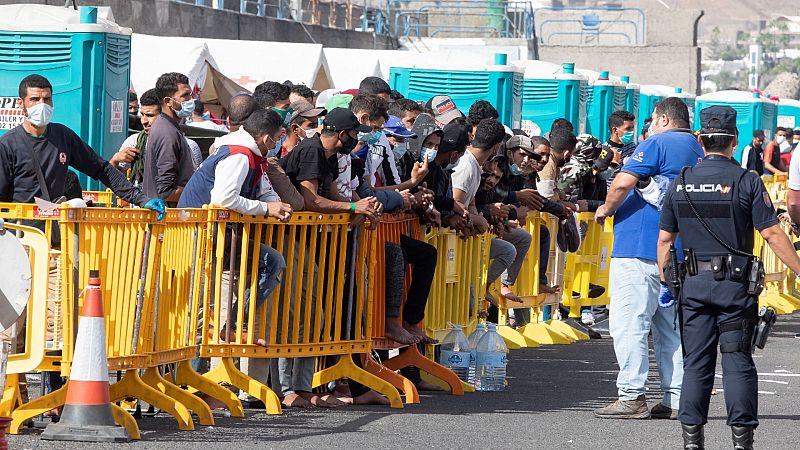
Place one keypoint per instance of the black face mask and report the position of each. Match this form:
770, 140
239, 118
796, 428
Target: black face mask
348, 144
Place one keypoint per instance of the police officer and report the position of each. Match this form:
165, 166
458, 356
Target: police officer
715, 208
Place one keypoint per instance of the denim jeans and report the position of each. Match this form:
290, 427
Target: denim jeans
633, 313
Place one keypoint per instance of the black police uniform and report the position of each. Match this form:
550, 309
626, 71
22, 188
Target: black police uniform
732, 202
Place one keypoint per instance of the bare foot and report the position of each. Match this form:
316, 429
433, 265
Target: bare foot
314, 399
545, 289
370, 398
345, 399
417, 331
399, 334
425, 386
508, 294
342, 390
295, 401
332, 400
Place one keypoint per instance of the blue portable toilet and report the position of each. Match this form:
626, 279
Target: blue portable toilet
551, 91
788, 113
631, 103
464, 77
603, 97
85, 58
752, 113
649, 95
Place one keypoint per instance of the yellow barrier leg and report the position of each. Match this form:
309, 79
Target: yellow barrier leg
346, 368
11, 395
794, 301
774, 301
125, 419
567, 330
186, 376
410, 356
153, 378
514, 340
543, 333
36, 407
132, 386
437, 382
400, 382
226, 372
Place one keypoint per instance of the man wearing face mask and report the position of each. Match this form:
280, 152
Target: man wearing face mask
753, 153
455, 138
168, 159
634, 281
303, 124
622, 125
50, 149
772, 154
381, 165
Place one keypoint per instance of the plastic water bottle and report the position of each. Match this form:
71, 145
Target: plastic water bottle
454, 352
473, 340
490, 361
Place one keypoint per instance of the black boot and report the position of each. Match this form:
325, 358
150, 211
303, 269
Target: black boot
693, 437
742, 437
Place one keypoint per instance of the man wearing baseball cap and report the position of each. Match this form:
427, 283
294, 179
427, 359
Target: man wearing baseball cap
382, 160
302, 124
443, 109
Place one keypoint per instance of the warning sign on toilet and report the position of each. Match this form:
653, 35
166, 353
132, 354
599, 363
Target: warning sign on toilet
116, 116
10, 115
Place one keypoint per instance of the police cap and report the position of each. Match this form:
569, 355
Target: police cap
718, 119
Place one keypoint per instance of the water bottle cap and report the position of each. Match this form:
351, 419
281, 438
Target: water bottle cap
454, 326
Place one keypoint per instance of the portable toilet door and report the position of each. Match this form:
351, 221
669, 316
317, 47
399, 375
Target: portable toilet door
86, 60
788, 113
631, 95
422, 76
649, 95
549, 92
752, 113
600, 103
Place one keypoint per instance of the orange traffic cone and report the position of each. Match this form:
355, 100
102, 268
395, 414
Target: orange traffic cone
87, 411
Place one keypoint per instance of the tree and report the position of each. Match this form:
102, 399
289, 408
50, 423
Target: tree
773, 40
724, 50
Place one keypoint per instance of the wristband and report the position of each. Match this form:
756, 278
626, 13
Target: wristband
352, 207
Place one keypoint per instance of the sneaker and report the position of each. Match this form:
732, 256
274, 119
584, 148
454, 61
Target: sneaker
625, 409
661, 411
587, 318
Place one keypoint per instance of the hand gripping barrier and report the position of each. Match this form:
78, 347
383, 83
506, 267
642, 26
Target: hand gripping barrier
527, 288
325, 312
389, 230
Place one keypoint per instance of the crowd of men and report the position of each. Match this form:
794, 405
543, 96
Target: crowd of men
370, 151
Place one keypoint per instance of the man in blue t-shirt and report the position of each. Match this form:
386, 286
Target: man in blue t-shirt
634, 278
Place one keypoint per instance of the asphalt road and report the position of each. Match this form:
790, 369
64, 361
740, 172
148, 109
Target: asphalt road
548, 405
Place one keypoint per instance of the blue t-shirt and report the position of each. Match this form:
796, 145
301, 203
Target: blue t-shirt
636, 221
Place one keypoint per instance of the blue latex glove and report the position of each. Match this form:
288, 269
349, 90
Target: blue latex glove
665, 298
157, 205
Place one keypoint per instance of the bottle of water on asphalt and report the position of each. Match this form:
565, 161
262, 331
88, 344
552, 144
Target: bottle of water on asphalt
490, 361
473, 340
454, 352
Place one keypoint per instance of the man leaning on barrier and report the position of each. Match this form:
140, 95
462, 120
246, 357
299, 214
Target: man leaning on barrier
234, 178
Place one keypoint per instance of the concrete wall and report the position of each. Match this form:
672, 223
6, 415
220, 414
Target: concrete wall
670, 56
167, 18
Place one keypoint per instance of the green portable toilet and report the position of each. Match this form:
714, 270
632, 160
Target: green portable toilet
464, 77
788, 113
85, 58
603, 96
551, 91
752, 113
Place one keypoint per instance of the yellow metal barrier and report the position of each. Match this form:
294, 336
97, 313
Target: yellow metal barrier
100, 198
778, 286
335, 319
589, 264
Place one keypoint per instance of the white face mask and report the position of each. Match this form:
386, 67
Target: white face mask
780, 139
40, 114
429, 154
399, 150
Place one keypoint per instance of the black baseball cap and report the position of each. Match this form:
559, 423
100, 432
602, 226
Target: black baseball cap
341, 119
455, 137
604, 160
718, 119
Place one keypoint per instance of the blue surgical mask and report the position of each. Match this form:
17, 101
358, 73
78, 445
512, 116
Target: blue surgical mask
515, 170
39, 115
429, 154
187, 108
399, 150
369, 138
206, 115
627, 137
275, 151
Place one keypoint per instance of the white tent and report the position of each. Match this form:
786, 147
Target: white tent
342, 61
152, 56
250, 63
